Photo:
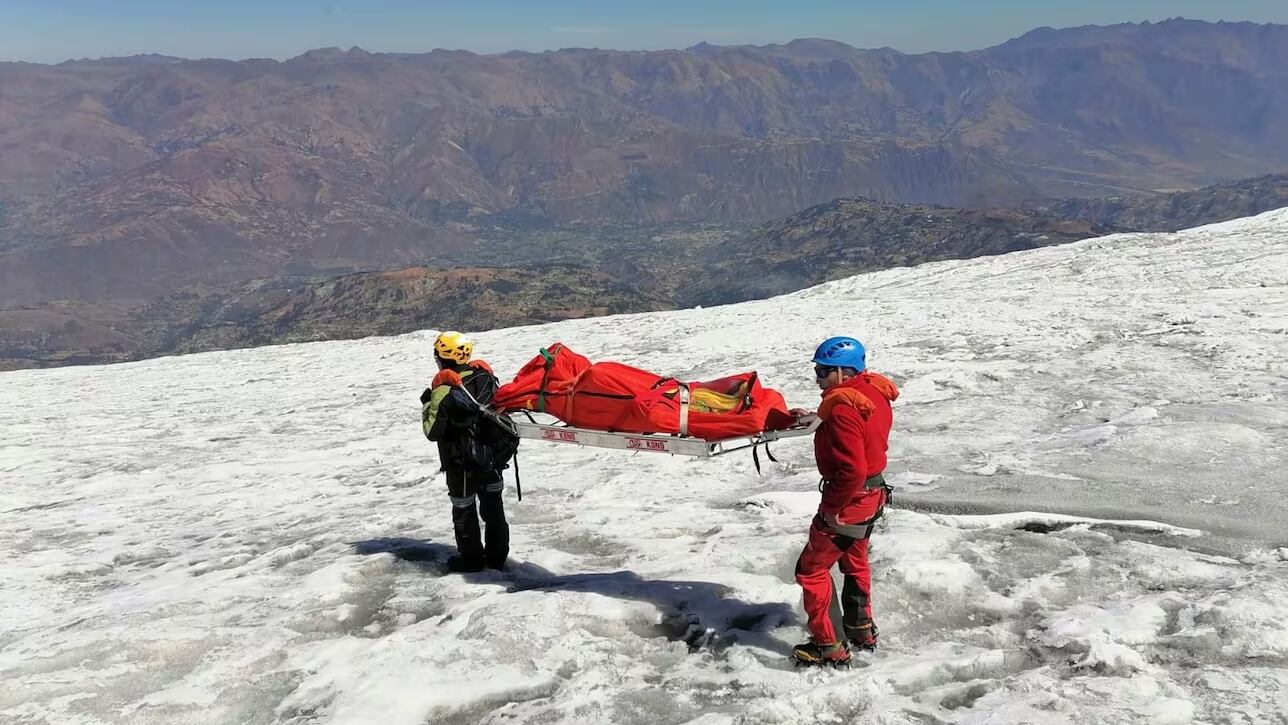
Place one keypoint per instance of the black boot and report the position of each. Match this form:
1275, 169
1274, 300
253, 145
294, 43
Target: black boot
461, 565
497, 533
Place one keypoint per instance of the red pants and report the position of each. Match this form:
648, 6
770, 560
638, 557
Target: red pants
814, 574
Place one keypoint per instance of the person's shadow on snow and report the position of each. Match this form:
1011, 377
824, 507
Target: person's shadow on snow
425, 554
704, 615
701, 614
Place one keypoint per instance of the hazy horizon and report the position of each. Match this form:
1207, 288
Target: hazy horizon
79, 29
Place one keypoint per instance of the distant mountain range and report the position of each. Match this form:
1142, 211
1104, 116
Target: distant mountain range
577, 271
125, 179
850, 236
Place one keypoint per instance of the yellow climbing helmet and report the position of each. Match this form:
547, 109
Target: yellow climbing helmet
454, 346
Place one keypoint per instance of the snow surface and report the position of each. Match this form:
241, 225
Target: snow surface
257, 536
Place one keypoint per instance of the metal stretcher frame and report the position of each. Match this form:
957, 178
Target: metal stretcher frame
676, 445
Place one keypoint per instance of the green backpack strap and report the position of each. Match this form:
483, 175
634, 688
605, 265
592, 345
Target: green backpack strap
545, 377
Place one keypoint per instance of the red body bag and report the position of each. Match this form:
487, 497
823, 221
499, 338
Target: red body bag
611, 396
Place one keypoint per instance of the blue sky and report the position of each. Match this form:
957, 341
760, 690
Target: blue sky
53, 30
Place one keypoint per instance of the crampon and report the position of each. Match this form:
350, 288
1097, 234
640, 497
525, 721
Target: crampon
812, 654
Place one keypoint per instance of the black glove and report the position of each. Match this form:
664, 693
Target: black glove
425, 396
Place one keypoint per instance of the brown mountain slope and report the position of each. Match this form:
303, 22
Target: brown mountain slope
850, 236
133, 177
1181, 210
300, 310
625, 269
386, 303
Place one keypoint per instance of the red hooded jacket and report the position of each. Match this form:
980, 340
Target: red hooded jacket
850, 445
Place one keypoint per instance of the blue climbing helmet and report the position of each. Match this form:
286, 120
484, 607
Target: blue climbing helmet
841, 352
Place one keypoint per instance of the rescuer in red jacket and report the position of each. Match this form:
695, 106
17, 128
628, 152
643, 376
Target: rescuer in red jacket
850, 450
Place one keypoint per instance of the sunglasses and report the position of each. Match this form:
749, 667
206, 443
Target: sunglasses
822, 371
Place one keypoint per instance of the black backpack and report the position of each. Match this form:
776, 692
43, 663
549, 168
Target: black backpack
488, 445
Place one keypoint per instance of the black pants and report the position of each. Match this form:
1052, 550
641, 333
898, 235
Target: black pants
475, 494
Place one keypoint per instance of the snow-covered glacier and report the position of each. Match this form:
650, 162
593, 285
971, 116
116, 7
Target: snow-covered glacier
1090, 453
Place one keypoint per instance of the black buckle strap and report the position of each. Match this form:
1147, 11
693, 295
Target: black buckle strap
874, 481
863, 529
755, 458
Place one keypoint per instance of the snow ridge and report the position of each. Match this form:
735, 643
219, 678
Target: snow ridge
259, 535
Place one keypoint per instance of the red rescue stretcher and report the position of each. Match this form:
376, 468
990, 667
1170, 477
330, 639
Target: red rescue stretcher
615, 406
